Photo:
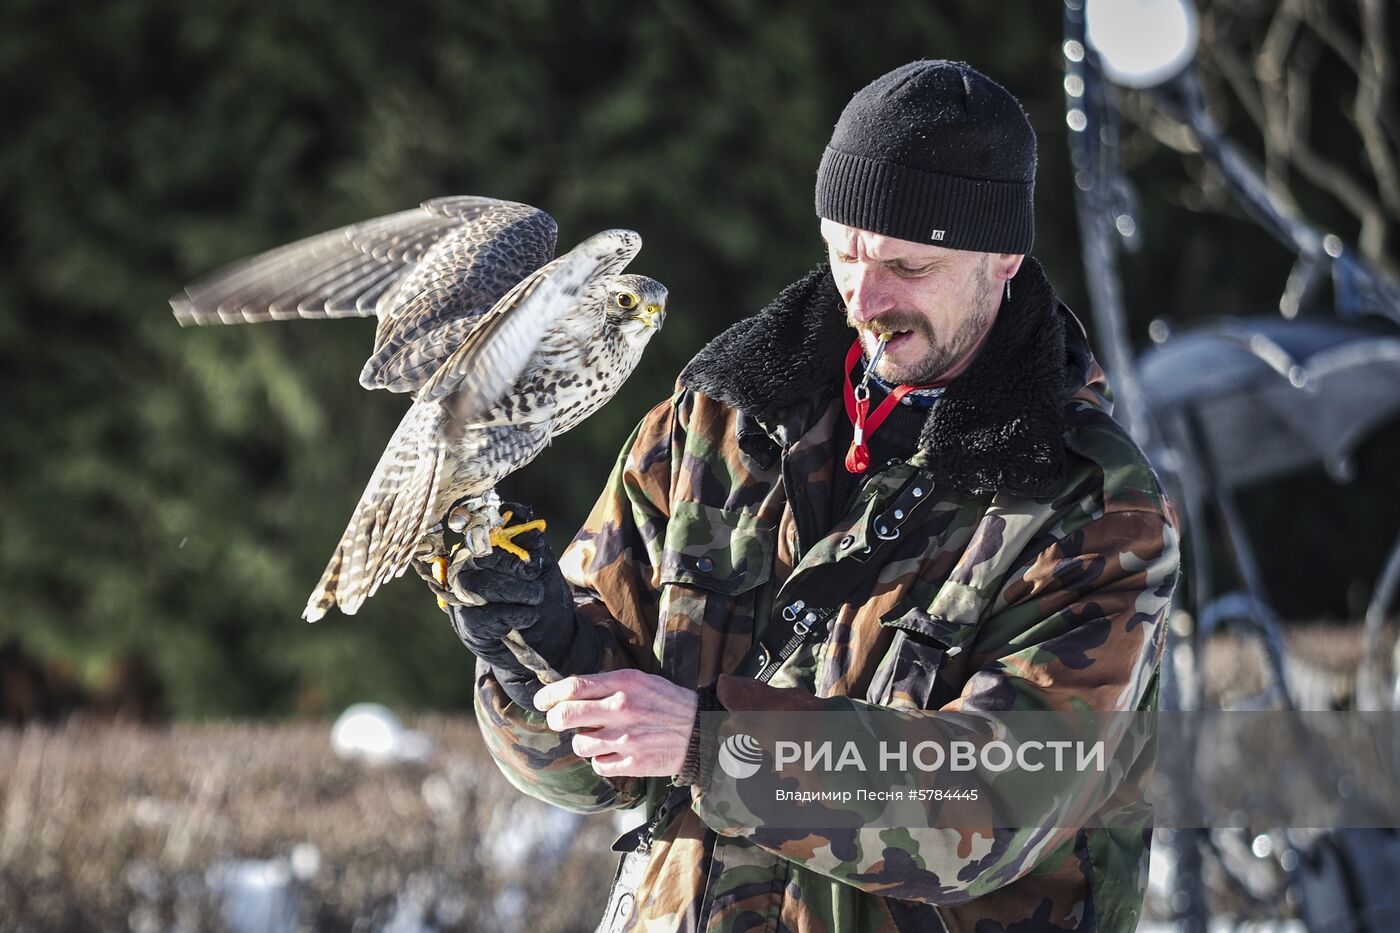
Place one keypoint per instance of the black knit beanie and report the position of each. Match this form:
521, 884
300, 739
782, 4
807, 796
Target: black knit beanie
934, 152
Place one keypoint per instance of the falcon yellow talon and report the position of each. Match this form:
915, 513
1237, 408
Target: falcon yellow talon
439, 565
442, 603
503, 537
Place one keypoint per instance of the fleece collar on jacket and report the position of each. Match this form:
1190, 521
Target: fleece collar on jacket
999, 425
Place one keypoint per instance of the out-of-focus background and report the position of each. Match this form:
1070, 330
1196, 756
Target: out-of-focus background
168, 497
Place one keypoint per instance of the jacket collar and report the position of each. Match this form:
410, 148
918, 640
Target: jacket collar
999, 425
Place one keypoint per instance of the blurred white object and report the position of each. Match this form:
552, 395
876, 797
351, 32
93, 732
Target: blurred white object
256, 896
372, 733
528, 834
1161, 870
439, 796
1143, 43
305, 861
624, 821
412, 908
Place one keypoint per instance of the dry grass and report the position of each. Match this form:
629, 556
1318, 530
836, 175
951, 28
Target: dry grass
1321, 663
106, 827
120, 827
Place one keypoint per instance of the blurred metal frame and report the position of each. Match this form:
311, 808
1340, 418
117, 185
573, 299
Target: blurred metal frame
1312, 387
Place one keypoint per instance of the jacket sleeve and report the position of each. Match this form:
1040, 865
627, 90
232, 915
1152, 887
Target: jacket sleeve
612, 566
1083, 623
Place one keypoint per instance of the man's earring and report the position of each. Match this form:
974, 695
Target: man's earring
1008, 291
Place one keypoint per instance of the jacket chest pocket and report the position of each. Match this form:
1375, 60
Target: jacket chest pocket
714, 568
909, 674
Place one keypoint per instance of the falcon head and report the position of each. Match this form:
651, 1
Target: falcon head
636, 306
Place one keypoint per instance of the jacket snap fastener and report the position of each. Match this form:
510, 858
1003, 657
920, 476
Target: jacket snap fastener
847, 541
918, 493
898, 514
704, 565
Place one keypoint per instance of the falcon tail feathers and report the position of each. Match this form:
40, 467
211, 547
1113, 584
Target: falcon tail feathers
394, 514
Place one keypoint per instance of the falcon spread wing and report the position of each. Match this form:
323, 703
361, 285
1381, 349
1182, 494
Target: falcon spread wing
428, 274
501, 346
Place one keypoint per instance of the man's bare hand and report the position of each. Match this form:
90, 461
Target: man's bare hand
631, 724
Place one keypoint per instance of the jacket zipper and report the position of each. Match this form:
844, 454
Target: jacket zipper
807, 625
653, 825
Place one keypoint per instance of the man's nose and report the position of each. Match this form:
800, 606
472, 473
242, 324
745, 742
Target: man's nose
867, 295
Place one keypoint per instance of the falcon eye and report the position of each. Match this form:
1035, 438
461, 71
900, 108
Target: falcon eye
626, 300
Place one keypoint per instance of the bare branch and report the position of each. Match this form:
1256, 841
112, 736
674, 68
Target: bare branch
1375, 32
1368, 110
1270, 70
1312, 164
1233, 69
1318, 14
1297, 86
1173, 134
1270, 60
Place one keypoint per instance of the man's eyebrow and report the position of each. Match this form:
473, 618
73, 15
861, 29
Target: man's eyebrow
907, 262
839, 250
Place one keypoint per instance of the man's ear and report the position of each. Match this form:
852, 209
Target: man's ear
1008, 264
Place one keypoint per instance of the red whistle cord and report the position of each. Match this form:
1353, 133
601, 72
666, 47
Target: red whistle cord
865, 421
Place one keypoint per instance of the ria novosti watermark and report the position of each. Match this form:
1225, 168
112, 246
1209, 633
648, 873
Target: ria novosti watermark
741, 756
873, 767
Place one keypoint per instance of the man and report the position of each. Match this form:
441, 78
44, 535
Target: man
1025, 553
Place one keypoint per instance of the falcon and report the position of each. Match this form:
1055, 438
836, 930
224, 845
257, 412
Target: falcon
501, 345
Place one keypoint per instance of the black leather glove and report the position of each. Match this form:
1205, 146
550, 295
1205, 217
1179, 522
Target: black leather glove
532, 600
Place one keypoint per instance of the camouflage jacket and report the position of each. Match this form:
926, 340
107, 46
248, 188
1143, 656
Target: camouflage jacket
1048, 554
